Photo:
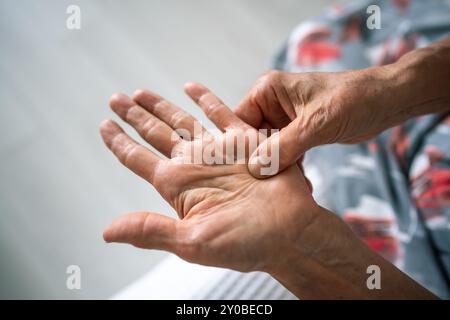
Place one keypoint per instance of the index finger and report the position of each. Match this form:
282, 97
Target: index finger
214, 108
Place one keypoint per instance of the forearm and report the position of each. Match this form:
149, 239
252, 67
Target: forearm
418, 83
330, 262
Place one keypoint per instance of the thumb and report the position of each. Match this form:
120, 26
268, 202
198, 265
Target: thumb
143, 230
280, 150
249, 113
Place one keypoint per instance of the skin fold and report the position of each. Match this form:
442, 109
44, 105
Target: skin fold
231, 219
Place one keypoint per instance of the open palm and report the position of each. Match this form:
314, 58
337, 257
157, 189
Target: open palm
227, 217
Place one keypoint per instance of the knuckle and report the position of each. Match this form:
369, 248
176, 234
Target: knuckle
129, 154
266, 86
147, 124
204, 97
270, 77
214, 108
151, 127
178, 119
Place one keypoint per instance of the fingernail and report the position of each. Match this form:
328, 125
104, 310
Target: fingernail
258, 167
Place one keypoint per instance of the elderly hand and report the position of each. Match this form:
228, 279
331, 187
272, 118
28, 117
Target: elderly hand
231, 219
228, 218
312, 109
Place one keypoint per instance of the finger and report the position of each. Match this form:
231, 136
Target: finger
144, 230
149, 127
214, 108
256, 116
263, 104
135, 157
250, 112
290, 144
185, 124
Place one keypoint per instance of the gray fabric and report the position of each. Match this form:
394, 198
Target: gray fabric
394, 191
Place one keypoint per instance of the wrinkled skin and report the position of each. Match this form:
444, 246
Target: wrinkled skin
313, 109
228, 218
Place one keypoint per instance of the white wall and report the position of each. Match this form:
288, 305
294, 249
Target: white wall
59, 186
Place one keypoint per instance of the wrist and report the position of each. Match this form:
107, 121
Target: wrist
315, 264
328, 261
417, 84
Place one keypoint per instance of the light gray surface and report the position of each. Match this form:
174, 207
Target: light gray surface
59, 186
203, 283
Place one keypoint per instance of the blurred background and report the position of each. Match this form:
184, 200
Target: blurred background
59, 186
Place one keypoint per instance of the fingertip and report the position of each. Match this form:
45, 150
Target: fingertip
108, 130
113, 232
253, 168
259, 171
117, 98
120, 103
108, 125
262, 163
107, 234
146, 98
139, 93
105, 125
193, 84
189, 84
195, 90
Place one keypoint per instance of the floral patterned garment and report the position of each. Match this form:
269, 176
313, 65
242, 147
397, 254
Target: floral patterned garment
394, 191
